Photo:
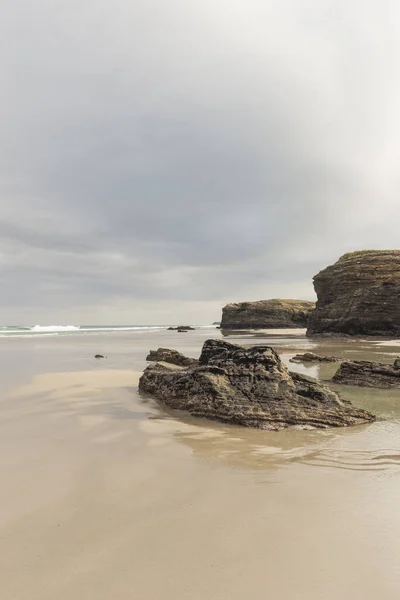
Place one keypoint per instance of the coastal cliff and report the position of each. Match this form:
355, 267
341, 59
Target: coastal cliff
359, 295
267, 314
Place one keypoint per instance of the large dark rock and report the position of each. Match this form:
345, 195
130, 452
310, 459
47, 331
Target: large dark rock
172, 357
311, 357
359, 295
250, 387
267, 314
369, 374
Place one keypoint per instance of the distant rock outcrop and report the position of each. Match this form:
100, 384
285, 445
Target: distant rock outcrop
267, 314
311, 357
250, 387
369, 374
172, 357
181, 328
359, 295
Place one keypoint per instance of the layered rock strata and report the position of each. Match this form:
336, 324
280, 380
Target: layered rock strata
267, 314
311, 357
369, 374
249, 387
359, 295
172, 357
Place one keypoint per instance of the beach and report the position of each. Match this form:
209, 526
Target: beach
108, 495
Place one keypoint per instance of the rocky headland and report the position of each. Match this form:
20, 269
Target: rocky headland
267, 314
248, 386
358, 295
369, 374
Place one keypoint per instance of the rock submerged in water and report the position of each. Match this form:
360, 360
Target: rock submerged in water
369, 374
249, 387
172, 357
181, 328
311, 357
267, 314
358, 295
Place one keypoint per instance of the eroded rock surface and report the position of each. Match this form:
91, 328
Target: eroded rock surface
311, 357
359, 295
172, 357
250, 387
369, 374
267, 314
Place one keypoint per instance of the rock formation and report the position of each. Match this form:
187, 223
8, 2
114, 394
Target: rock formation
359, 295
173, 357
369, 374
311, 357
250, 387
267, 314
181, 328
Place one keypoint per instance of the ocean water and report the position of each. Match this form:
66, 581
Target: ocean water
109, 495
56, 330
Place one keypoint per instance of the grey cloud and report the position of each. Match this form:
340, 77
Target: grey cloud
186, 154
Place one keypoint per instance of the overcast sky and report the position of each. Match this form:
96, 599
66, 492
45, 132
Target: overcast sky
160, 158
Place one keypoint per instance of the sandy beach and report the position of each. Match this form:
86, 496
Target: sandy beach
106, 495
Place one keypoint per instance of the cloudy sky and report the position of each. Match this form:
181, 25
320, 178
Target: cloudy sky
161, 158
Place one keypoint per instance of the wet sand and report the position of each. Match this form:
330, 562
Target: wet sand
107, 496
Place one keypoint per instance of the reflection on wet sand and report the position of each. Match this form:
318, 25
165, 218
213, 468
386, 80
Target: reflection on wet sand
253, 449
92, 398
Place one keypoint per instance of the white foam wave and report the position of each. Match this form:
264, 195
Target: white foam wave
122, 328
53, 328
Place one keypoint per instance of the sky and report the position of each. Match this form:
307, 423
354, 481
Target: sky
159, 159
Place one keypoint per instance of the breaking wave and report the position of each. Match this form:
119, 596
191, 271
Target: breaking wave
53, 328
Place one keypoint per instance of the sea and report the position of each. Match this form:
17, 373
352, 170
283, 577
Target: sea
56, 330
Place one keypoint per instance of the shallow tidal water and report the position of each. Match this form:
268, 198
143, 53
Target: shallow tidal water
109, 496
